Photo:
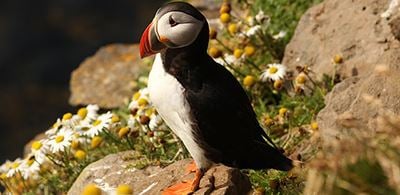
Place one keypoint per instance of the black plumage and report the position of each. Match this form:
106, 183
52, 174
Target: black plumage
224, 122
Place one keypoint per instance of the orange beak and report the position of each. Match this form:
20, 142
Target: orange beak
149, 43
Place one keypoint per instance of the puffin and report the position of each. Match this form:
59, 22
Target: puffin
200, 100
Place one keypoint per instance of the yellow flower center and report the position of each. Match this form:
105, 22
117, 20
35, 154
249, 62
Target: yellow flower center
149, 112
124, 189
272, 70
36, 145
56, 125
115, 119
59, 138
82, 113
136, 96
96, 122
91, 189
67, 116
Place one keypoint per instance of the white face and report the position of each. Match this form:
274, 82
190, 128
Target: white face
180, 29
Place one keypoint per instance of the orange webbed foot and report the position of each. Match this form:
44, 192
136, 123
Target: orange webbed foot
185, 188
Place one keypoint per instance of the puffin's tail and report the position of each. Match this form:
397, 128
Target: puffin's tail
265, 156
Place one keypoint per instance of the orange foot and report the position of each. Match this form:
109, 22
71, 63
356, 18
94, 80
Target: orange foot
185, 188
191, 168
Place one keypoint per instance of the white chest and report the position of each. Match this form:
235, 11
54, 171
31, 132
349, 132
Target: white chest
167, 95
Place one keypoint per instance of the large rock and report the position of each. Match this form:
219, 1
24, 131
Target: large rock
355, 30
107, 77
357, 101
116, 169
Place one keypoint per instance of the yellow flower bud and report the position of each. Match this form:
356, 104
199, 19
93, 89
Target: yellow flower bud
338, 59
238, 53
123, 131
301, 78
314, 125
213, 33
278, 84
124, 189
249, 50
268, 121
232, 28
215, 52
225, 8
283, 111
115, 119
249, 81
91, 189
225, 17
96, 141
80, 154
74, 144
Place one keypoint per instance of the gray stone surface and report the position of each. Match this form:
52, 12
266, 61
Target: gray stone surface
116, 169
107, 77
353, 29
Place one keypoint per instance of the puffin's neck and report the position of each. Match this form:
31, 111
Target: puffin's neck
177, 61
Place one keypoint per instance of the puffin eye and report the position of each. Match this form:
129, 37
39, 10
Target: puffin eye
172, 22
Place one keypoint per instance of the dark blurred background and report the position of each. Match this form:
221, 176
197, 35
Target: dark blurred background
41, 42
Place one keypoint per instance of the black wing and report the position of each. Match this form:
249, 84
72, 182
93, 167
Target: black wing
226, 124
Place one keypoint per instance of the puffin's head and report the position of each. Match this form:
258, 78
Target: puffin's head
175, 25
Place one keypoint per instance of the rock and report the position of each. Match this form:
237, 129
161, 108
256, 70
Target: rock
351, 102
107, 78
354, 30
116, 169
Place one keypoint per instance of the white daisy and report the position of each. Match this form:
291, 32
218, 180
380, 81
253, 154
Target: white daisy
273, 72
155, 121
5, 167
30, 168
100, 124
53, 130
61, 140
280, 35
90, 113
15, 167
132, 122
261, 17
140, 99
253, 30
39, 148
